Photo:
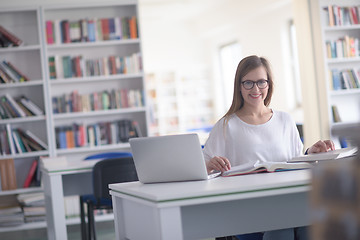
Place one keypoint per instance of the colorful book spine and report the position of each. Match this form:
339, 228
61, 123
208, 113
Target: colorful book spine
49, 27
10, 36
31, 174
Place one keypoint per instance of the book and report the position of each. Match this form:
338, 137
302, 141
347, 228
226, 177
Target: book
10, 36
15, 106
335, 113
3, 175
8, 175
31, 106
329, 155
10, 139
31, 174
35, 139
260, 166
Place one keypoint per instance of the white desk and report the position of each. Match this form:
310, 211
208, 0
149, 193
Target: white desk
63, 179
218, 207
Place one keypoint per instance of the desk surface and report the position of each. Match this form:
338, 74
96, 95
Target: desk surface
60, 165
165, 192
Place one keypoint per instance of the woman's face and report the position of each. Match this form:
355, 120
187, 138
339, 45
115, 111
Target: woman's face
255, 96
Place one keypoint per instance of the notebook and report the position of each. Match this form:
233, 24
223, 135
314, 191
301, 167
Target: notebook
330, 155
169, 158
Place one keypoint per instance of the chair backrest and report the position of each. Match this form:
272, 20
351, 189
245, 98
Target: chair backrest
108, 155
114, 170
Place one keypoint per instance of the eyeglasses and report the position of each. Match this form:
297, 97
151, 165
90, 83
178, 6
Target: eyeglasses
250, 84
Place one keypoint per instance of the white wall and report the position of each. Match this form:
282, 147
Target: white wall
261, 30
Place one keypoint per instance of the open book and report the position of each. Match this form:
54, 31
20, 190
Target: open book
330, 155
265, 167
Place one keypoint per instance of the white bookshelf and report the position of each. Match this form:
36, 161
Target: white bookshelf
87, 84
25, 23
29, 24
347, 101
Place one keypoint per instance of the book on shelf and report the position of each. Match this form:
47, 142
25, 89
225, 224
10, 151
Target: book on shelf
342, 15
8, 174
261, 166
31, 174
34, 213
91, 30
31, 199
17, 74
11, 216
345, 79
33, 205
20, 148
20, 141
335, 114
344, 47
15, 106
105, 100
324, 156
18, 107
4, 143
77, 66
31, 106
10, 139
10, 75
97, 134
9, 37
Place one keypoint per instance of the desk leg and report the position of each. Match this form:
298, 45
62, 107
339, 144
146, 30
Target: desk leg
118, 218
146, 222
170, 223
55, 209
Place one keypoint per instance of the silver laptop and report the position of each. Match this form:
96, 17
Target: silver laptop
169, 158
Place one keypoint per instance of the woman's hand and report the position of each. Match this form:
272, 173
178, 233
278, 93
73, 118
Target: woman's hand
221, 164
322, 146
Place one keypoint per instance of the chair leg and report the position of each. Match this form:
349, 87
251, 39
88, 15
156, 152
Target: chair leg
91, 221
82, 220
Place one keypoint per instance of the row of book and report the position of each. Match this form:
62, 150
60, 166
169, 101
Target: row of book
344, 79
11, 74
102, 133
342, 16
8, 175
91, 30
76, 66
104, 100
33, 206
14, 141
343, 48
18, 107
8, 39
11, 216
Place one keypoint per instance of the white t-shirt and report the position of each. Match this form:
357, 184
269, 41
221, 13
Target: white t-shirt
277, 140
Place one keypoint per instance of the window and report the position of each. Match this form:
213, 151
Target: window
230, 55
295, 65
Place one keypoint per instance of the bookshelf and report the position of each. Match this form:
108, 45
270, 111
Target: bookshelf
91, 85
25, 24
340, 38
178, 103
123, 78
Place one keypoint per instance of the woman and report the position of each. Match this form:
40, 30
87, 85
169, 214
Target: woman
252, 131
